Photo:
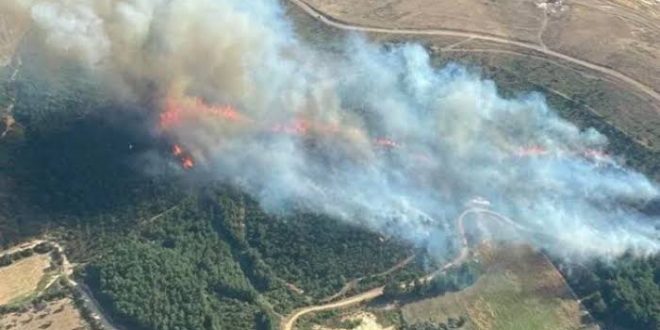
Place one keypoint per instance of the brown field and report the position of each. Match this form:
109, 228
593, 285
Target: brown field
520, 289
615, 33
56, 315
21, 278
12, 29
629, 112
618, 35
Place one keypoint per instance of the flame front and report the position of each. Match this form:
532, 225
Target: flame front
190, 108
179, 110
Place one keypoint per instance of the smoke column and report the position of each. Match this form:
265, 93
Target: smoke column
372, 136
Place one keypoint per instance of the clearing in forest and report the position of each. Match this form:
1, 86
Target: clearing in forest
520, 289
59, 314
22, 278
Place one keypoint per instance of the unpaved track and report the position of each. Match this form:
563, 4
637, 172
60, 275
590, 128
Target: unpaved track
289, 322
88, 299
330, 21
67, 270
350, 285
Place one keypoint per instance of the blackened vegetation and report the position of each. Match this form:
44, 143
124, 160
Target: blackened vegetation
85, 169
74, 160
88, 174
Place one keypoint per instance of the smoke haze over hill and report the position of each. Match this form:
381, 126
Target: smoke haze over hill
368, 135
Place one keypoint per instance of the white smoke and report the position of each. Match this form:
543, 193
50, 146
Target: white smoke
390, 142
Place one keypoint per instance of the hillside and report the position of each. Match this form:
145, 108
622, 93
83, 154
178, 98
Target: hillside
209, 225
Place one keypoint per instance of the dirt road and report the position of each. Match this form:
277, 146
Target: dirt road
289, 322
88, 299
350, 285
67, 272
330, 21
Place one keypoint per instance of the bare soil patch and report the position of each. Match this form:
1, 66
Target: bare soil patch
367, 321
22, 277
12, 29
56, 315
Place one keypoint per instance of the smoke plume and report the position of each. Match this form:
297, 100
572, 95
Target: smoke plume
369, 135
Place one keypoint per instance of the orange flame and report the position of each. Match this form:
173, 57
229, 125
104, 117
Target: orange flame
187, 162
531, 151
183, 157
386, 143
176, 150
596, 154
297, 127
178, 110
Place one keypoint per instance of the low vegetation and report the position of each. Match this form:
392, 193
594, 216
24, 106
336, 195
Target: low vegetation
453, 280
579, 99
519, 289
22, 278
55, 315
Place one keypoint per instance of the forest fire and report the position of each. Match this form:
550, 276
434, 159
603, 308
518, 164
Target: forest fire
187, 162
537, 151
386, 143
176, 150
183, 157
297, 127
531, 151
180, 110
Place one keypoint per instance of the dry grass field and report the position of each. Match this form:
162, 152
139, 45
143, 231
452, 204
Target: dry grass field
56, 315
22, 278
615, 33
620, 36
627, 111
12, 29
520, 289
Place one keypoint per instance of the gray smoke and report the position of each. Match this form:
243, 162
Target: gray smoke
368, 135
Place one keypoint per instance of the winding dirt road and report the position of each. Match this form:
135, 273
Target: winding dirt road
67, 273
289, 322
330, 21
85, 293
